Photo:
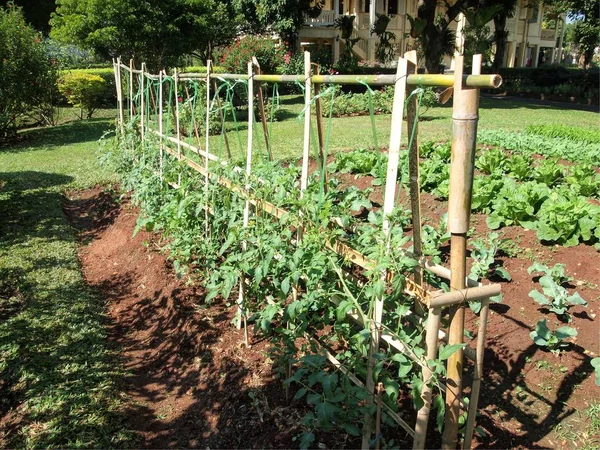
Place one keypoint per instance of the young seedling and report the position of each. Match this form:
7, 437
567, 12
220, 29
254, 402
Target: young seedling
554, 340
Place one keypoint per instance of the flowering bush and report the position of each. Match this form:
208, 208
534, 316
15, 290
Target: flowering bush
236, 57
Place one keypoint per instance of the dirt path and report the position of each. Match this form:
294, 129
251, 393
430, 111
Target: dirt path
191, 385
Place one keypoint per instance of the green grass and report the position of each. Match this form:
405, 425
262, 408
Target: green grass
56, 367
355, 132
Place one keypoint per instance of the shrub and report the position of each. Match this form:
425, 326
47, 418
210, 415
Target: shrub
82, 90
237, 56
26, 73
108, 97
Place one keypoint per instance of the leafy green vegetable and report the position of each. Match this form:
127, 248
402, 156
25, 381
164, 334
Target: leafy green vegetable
554, 340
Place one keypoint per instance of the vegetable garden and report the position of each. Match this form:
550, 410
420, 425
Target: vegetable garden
349, 284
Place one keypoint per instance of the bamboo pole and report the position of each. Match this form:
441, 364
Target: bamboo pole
178, 132
119, 85
378, 417
464, 136
478, 372
319, 118
388, 206
241, 307
131, 89
160, 124
143, 105
306, 142
207, 144
431, 341
261, 109
434, 80
412, 122
193, 115
221, 115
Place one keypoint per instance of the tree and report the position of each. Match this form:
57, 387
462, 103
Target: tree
505, 10
478, 38
28, 78
157, 32
586, 16
284, 17
37, 12
432, 31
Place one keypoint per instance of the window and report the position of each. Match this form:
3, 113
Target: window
366, 6
341, 7
392, 7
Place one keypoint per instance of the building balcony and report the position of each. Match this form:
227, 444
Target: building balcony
548, 35
325, 19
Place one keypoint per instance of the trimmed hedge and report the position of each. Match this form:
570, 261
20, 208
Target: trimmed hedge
109, 93
202, 69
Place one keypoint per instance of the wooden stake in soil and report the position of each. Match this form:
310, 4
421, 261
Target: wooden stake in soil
241, 306
261, 110
131, 112
119, 86
319, 117
464, 136
306, 148
431, 340
160, 123
143, 104
388, 206
178, 132
478, 371
412, 124
207, 144
221, 115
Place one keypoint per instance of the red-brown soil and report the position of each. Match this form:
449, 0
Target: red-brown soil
193, 384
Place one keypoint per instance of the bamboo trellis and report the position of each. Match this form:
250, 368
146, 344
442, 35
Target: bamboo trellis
463, 290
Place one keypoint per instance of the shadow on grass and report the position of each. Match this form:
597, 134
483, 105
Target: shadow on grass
70, 133
58, 380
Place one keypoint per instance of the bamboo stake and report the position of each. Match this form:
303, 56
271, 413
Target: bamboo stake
160, 124
378, 417
194, 123
221, 115
412, 122
464, 136
261, 109
431, 340
207, 142
319, 117
306, 148
478, 372
131, 89
481, 335
241, 308
388, 206
142, 105
178, 132
119, 93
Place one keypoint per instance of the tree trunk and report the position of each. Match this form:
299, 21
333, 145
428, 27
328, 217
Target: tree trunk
500, 36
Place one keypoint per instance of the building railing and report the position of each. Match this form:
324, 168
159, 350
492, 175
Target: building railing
326, 18
548, 35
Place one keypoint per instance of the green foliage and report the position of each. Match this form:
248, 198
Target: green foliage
350, 104
517, 204
491, 161
584, 180
384, 51
82, 90
555, 297
108, 97
578, 134
553, 340
156, 32
360, 162
519, 166
237, 56
27, 75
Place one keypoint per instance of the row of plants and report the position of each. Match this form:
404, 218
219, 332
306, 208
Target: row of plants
288, 282
578, 134
512, 189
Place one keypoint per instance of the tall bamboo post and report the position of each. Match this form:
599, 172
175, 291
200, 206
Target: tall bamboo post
306, 142
431, 341
388, 206
412, 124
464, 137
119, 93
207, 144
160, 123
478, 371
131, 89
241, 306
178, 131
261, 110
221, 115
319, 118
143, 104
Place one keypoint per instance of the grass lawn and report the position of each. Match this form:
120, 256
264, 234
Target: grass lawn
58, 375
355, 132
